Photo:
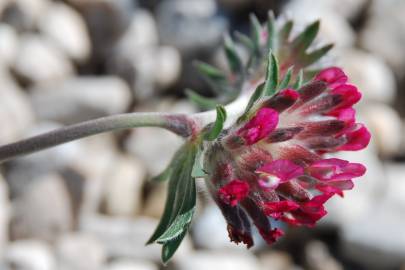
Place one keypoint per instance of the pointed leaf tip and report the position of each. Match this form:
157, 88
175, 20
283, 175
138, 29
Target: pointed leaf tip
272, 75
305, 39
218, 125
234, 61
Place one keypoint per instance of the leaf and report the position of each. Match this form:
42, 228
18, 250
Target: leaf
200, 101
256, 33
305, 39
245, 40
271, 32
257, 94
180, 202
300, 80
198, 170
178, 227
314, 56
235, 63
287, 78
272, 74
284, 33
170, 248
218, 125
209, 71
163, 176
178, 189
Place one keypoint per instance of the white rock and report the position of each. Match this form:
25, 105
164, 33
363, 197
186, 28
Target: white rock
29, 255
386, 127
124, 187
168, 66
203, 260
16, 115
386, 24
155, 147
346, 8
203, 226
80, 252
318, 257
333, 27
64, 26
4, 215
32, 10
395, 184
81, 98
276, 260
370, 74
141, 33
8, 44
132, 265
40, 61
126, 238
43, 210
190, 25
93, 162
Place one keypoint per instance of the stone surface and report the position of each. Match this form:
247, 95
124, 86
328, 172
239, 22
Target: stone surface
29, 255
334, 28
190, 25
370, 74
224, 260
8, 44
67, 29
386, 24
53, 66
83, 98
106, 21
276, 260
80, 252
123, 187
4, 215
42, 211
16, 115
318, 257
126, 238
386, 127
131, 265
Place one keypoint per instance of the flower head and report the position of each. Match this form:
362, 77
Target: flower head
277, 170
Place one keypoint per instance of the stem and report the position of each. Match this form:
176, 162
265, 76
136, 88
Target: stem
177, 123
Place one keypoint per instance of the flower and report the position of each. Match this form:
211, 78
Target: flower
277, 169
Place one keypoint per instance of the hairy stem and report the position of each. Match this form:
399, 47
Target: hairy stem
177, 123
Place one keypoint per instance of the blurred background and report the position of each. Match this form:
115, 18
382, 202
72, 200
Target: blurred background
88, 205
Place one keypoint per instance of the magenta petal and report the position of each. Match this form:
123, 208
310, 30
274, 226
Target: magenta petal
334, 169
233, 192
275, 209
356, 140
334, 76
283, 169
260, 126
349, 93
347, 115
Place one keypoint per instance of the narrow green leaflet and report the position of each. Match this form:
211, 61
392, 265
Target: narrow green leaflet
287, 78
209, 71
163, 176
218, 125
180, 202
272, 75
300, 80
285, 32
179, 225
305, 39
272, 33
315, 55
198, 170
235, 63
257, 94
256, 33
201, 101
245, 40
170, 248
